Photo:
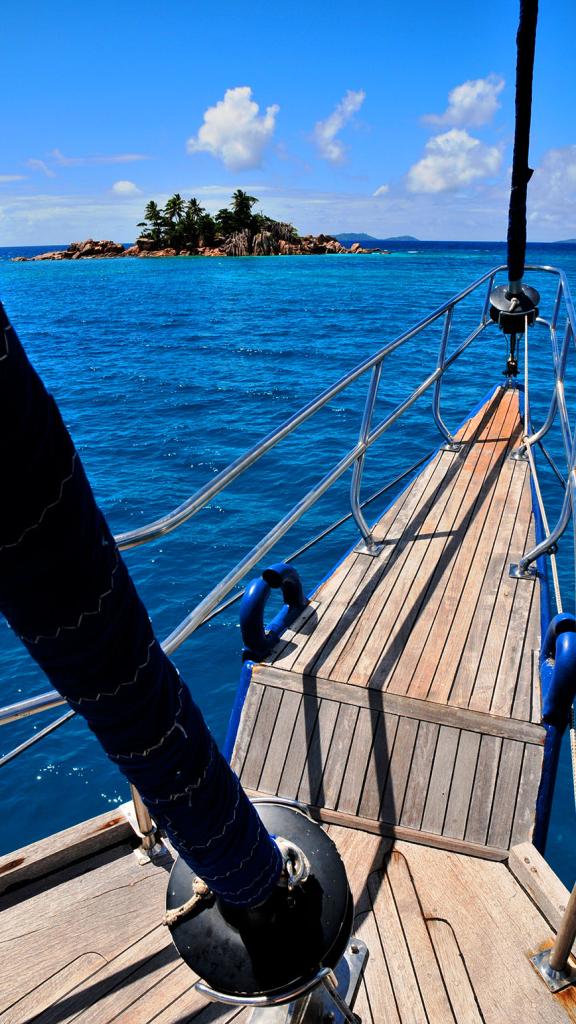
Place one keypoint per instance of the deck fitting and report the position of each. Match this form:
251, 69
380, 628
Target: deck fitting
368, 549
556, 981
519, 455
319, 1005
452, 446
516, 573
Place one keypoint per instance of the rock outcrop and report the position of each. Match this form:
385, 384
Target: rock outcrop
238, 244
265, 243
90, 249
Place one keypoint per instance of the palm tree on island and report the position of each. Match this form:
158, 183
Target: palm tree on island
187, 227
184, 228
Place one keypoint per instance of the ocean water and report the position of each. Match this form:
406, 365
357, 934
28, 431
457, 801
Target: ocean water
167, 370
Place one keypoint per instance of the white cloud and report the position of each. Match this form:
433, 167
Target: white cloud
325, 132
471, 104
81, 161
552, 194
234, 132
382, 191
40, 165
452, 160
126, 188
557, 172
11, 177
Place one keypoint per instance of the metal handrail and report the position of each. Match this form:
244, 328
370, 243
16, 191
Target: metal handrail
160, 527
557, 409
51, 699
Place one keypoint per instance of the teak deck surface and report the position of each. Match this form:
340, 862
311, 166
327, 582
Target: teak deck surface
402, 705
448, 939
405, 701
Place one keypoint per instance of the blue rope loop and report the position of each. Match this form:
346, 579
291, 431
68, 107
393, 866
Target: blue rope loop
67, 593
558, 670
257, 639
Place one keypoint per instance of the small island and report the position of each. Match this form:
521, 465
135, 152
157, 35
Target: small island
184, 228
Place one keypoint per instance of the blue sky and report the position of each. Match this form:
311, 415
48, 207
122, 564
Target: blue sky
377, 117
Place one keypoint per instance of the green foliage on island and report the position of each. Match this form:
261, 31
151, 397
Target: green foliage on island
186, 225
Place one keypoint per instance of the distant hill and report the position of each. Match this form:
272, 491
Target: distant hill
401, 238
361, 237
351, 237
566, 241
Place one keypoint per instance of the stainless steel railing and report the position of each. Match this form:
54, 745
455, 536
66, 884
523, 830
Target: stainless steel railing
356, 456
557, 410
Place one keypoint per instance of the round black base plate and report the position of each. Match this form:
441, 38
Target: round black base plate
271, 949
509, 315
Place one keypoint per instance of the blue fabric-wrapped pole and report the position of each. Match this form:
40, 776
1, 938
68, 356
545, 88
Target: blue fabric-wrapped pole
66, 592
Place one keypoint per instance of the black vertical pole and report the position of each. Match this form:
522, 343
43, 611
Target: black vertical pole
521, 172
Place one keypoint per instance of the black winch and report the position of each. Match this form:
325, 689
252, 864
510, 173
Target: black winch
288, 946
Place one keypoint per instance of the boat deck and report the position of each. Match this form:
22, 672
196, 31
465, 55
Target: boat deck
447, 934
403, 708
405, 701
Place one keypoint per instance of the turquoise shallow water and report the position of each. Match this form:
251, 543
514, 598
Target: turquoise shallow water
165, 371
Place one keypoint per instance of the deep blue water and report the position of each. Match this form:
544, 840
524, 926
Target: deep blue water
167, 370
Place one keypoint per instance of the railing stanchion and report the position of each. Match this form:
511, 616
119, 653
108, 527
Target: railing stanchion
553, 965
487, 299
566, 936
358, 467
150, 847
438, 386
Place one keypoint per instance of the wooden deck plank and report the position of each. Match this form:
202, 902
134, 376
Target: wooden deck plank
505, 794
264, 726
528, 698
417, 788
469, 670
454, 973
295, 764
419, 661
395, 949
377, 990
440, 780
53, 990
537, 879
275, 760
60, 849
248, 716
430, 980
392, 538
399, 770
378, 766
365, 642
462, 783
483, 693
341, 618
335, 763
357, 765
333, 596
127, 979
307, 786
52, 911
484, 784
362, 854
461, 595
525, 811
418, 595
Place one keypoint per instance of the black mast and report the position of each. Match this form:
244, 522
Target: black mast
521, 172
513, 304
